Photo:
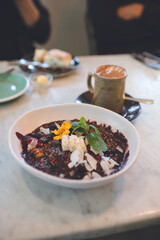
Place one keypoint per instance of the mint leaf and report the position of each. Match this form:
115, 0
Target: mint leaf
81, 124
79, 129
96, 142
93, 138
96, 130
78, 133
74, 124
82, 121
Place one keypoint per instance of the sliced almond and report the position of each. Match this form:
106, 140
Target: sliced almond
91, 160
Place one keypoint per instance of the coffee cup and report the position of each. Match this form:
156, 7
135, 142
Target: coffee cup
109, 87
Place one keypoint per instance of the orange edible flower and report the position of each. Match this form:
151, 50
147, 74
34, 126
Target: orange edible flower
63, 130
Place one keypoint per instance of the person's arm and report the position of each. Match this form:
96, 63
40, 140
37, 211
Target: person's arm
149, 12
28, 11
35, 17
130, 11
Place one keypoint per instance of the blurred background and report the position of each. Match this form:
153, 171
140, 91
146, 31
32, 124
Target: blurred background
68, 26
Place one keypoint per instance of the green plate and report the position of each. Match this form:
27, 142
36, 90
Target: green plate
12, 86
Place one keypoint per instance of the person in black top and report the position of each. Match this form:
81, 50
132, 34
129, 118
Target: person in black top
22, 22
123, 26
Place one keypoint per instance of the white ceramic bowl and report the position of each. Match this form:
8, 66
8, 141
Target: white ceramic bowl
34, 118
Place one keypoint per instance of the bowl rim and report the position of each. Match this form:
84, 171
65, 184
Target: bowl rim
74, 182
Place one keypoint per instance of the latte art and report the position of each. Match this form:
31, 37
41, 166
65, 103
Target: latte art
111, 72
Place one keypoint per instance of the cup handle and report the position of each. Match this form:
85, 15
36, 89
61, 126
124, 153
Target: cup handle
89, 82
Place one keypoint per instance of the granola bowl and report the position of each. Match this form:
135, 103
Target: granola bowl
31, 127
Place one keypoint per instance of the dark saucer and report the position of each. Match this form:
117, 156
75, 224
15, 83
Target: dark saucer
131, 109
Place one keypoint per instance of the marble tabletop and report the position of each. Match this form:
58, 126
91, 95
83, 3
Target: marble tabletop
33, 209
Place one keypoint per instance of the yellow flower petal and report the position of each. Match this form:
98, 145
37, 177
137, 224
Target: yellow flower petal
57, 137
63, 130
66, 132
66, 125
55, 132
